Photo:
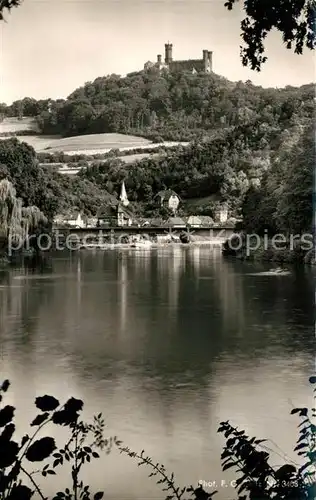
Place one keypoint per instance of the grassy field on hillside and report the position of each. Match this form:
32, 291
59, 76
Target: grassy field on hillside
15, 125
84, 144
97, 143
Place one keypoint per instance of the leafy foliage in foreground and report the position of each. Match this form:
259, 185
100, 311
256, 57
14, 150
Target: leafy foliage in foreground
294, 19
258, 479
81, 448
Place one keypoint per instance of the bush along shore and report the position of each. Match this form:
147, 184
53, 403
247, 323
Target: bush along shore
258, 480
246, 247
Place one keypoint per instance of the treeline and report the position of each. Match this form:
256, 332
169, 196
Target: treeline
63, 157
175, 106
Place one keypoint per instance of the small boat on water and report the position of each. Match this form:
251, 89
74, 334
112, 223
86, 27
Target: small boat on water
279, 270
276, 271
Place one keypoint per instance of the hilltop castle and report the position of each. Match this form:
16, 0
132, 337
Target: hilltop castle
203, 65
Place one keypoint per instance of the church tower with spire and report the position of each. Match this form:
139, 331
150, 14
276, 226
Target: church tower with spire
123, 196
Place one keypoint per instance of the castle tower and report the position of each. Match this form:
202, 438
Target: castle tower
168, 53
207, 61
210, 59
159, 58
123, 196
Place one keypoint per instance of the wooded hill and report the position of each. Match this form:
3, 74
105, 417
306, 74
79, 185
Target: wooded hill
251, 146
175, 106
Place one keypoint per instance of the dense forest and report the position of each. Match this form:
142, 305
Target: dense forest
171, 106
251, 147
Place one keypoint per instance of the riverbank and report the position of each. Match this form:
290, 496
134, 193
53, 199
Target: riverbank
268, 251
6, 260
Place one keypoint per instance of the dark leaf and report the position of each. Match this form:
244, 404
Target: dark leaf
65, 417
8, 453
285, 472
312, 380
98, 495
8, 432
74, 405
20, 492
40, 449
6, 415
46, 403
228, 466
14, 472
300, 446
302, 411
5, 386
39, 419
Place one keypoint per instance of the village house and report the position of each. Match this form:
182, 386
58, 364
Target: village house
221, 213
114, 216
70, 219
169, 199
199, 221
176, 223
152, 222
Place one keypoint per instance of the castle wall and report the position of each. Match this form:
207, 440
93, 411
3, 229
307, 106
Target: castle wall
203, 65
188, 65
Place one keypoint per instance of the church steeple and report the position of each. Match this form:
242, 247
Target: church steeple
123, 195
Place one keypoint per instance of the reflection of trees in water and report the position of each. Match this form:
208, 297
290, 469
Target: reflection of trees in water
226, 287
21, 300
280, 310
153, 313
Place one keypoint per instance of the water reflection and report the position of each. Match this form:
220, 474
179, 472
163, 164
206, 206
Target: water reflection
167, 343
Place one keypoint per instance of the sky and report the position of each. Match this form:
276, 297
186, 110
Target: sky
51, 47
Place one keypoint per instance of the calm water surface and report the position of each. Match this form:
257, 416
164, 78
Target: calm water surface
166, 343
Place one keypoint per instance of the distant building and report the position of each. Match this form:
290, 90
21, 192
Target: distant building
176, 223
124, 217
72, 219
199, 221
107, 216
115, 212
169, 199
203, 65
221, 214
206, 220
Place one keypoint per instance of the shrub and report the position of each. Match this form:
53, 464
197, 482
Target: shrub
14, 455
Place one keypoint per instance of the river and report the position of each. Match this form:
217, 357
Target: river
166, 343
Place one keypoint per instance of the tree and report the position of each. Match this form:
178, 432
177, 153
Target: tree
8, 5
16, 222
294, 19
294, 209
